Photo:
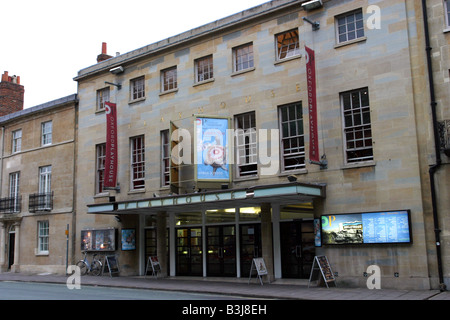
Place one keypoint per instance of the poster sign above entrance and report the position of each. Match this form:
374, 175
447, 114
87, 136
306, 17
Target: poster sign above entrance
211, 143
366, 228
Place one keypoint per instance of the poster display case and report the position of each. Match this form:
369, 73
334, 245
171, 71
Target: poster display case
99, 239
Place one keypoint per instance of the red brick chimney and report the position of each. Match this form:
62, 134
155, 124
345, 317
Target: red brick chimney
11, 94
103, 56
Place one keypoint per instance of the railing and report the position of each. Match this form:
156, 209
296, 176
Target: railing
11, 204
40, 202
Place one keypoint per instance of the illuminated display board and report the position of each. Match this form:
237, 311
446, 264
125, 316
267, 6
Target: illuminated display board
366, 228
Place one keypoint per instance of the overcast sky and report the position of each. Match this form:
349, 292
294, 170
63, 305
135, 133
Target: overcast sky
47, 42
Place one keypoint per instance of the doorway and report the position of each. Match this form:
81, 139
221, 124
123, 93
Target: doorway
12, 243
189, 252
221, 251
297, 248
250, 235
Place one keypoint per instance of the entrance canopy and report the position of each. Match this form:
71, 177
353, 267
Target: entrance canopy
294, 192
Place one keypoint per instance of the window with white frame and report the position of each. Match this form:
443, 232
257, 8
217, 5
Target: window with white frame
137, 88
14, 181
350, 26
292, 137
102, 97
165, 158
17, 141
169, 79
100, 151
357, 125
43, 237
447, 12
46, 133
243, 57
288, 44
137, 163
204, 69
246, 144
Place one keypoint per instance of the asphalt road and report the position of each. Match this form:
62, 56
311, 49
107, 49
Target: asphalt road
45, 291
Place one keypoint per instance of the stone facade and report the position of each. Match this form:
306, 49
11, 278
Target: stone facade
28, 249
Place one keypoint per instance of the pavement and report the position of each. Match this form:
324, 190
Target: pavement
280, 289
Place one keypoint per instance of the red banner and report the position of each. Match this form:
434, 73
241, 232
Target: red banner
110, 180
312, 105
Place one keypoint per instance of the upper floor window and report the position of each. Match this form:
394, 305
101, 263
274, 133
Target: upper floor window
204, 69
447, 12
102, 97
246, 145
137, 88
350, 26
17, 141
292, 137
357, 126
14, 198
100, 166
137, 163
46, 134
243, 57
165, 158
288, 44
169, 79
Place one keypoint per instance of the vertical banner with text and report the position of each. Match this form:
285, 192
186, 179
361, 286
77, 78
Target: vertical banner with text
110, 179
312, 105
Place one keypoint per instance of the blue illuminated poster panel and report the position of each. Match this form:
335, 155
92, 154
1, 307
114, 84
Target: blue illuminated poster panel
366, 228
211, 149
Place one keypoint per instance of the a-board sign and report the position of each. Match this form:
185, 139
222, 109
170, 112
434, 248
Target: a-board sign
112, 264
259, 266
321, 263
154, 264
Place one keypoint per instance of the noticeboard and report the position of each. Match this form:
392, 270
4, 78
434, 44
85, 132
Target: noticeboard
321, 263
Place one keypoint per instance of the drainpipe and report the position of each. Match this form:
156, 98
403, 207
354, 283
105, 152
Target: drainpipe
435, 167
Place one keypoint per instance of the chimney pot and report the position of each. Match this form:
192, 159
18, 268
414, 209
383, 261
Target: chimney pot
104, 51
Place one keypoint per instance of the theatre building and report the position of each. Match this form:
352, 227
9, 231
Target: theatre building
283, 132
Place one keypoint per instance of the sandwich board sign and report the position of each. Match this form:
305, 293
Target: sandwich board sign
112, 264
259, 266
321, 263
154, 263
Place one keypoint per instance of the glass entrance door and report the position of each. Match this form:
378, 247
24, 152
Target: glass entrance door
297, 248
250, 235
221, 251
189, 252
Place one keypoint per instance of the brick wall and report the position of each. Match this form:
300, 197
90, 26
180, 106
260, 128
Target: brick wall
11, 94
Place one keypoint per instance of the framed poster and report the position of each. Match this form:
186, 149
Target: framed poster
211, 149
98, 239
128, 239
384, 227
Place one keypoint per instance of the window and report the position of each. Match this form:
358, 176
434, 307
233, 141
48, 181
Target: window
137, 163
169, 79
287, 44
46, 133
243, 57
292, 137
137, 88
45, 188
17, 141
447, 12
100, 166
165, 158
204, 69
14, 179
246, 145
43, 235
350, 26
357, 127
102, 97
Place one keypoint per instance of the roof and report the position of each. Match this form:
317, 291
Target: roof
190, 35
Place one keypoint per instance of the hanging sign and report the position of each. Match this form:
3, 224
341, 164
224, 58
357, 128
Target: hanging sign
110, 180
312, 105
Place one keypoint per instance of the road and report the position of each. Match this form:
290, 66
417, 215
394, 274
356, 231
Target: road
44, 291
